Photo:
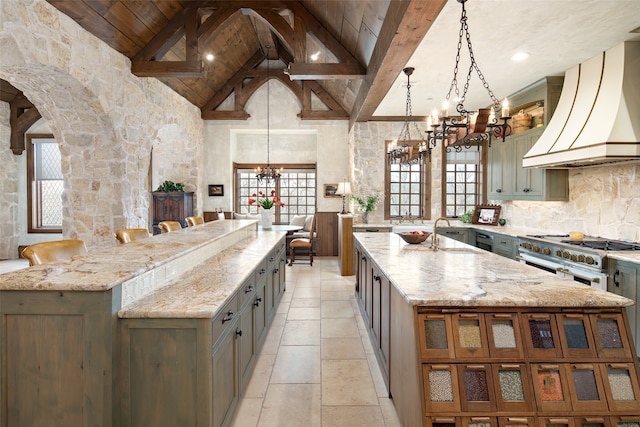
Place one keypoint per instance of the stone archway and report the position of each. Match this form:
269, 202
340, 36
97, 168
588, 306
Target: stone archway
91, 162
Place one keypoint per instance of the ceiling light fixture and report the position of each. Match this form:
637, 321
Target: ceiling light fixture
315, 56
401, 150
461, 131
209, 57
268, 174
520, 56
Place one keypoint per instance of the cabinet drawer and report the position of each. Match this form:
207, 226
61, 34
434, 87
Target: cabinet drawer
247, 291
224, 318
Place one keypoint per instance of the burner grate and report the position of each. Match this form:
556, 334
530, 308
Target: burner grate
603, 245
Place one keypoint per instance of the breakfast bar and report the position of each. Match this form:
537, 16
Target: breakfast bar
464, 336
161, 331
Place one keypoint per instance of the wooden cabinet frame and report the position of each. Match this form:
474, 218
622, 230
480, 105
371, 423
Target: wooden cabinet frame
541, 353
441, 406
428, 354
572, 352
624, 351
504, 352
528, 402
551, 405
583, 406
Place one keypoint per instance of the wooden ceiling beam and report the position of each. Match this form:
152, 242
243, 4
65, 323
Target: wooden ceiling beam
305, 71
208, 28
22, 115
164, 40
176, 69
404, 27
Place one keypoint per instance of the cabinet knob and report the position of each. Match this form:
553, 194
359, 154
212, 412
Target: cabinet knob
262, 271
364, 258
499, 190
248, 289
376, 278
257, 302
276, 271
239, 333
526, 190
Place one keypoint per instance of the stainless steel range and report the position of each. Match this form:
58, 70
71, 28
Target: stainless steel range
583, 260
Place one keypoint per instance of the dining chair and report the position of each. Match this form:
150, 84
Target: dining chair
304, 243
169, 226
53, 251
127, 235
194, 220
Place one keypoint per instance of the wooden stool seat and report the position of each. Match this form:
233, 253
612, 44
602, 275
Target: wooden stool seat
169, 226
194, 220
127, 235
54, 251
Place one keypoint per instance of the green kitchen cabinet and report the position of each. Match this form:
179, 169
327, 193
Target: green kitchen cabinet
464, 235
504, 245
508, 180
624, 279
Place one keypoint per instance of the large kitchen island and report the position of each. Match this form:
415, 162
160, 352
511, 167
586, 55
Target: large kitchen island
158, 332
468, 338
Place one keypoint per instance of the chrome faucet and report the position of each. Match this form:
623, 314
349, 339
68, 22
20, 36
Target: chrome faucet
435, 241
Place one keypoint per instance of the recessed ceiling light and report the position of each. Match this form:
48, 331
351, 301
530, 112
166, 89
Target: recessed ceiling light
315, 56
209, 57
520, 56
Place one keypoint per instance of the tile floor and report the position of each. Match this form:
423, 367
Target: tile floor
317, 366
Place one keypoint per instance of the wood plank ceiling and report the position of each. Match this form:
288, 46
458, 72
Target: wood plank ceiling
361, 46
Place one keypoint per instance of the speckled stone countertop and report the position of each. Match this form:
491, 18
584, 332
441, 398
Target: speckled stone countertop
199, 293
155, 259
462, 275
629, 256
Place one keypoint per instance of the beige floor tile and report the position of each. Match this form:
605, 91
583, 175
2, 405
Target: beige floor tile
308, 282
272, 341
301, 332
336, 295
297, 364
339, 328
376, 376
302, 292
305, 302
304, 313
347, 383
279, 319
257, 385
389, 413
342, 348
352, 416
247, 413
334, 286
337, 309
283, 307
291, 405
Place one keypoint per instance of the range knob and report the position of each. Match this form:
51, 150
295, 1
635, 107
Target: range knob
536, 248
566, 254
527, 245
574, 257
590, 260
546, 251
558, 252
581, 258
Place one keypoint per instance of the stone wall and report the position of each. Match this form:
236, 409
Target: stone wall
603, 201
8, 190
367, 143
106, 120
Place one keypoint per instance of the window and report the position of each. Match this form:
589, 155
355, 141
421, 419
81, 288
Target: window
407, 190
463, 182
296, 188
45, 184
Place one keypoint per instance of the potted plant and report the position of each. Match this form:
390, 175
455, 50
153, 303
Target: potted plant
366, 204
170, 186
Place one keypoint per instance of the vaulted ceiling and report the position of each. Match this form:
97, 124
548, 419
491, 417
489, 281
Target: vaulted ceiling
345, 53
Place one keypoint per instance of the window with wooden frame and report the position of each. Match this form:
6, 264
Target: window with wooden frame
406, 189
296, 189
464, 181
44, 184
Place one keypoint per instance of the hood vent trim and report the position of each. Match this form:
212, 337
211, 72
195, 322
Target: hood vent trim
597, 120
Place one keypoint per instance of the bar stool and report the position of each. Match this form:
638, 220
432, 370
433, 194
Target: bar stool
54, 251
194, 220
127, 235
169, 226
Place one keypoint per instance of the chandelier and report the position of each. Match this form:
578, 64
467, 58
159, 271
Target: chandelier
404, 150
268, 174
468, 128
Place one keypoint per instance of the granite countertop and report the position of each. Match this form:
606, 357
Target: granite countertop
462, 275
104, 268
629, 256
199, 293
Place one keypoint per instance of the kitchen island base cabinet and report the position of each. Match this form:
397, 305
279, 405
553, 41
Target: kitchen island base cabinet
192, 371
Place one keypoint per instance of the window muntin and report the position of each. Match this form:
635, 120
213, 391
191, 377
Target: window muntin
45, 184
296, 188
463, 182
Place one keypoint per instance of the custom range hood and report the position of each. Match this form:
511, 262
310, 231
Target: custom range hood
597, 120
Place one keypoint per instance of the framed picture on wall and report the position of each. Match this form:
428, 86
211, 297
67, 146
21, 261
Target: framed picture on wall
330, 190
216, 190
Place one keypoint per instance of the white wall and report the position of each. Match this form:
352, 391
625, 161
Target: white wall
291, 141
